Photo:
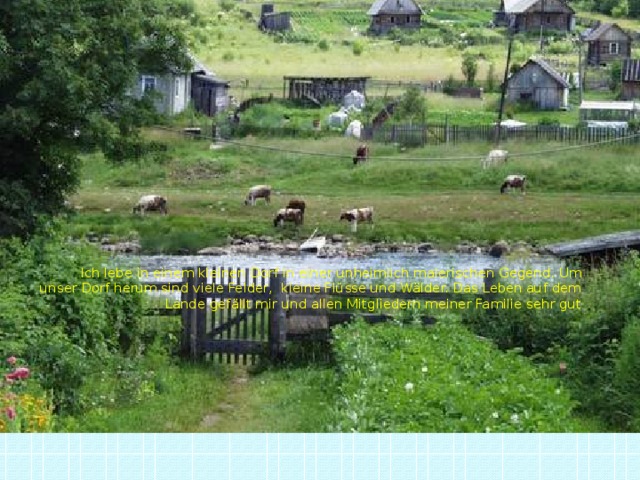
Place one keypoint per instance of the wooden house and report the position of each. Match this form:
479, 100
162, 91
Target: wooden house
322, 90
606, 43
388, 14
536, 81
175, 90
531, 15
170, 90
630, 77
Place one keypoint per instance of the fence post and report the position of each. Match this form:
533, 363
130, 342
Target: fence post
188, 278
277, 317
199, 317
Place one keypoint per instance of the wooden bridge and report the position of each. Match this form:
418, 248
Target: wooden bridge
238, 315
598, 250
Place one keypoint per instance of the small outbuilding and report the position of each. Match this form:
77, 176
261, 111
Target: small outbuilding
388, 14
630, 79
537, 82
606, 43
609, 111
531, 15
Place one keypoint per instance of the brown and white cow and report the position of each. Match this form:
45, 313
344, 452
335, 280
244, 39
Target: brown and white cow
494, 158
356, 215
514, 181
298, 205
151, 203
258, 191
287, 215
362, 154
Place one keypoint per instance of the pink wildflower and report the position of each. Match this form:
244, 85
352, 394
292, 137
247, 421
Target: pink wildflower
11, 413
18, 374
12, 360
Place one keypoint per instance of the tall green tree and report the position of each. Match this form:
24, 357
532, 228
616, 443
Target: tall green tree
412, 105
470, 68
65, 72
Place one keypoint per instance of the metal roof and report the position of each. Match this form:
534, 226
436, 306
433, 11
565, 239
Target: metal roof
395, 6
548, 69
521, 6
597, 32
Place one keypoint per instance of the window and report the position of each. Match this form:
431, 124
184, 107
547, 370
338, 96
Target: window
408, 19
392, 19
177, 86
548, 19
148, 83
614, 48
526, 96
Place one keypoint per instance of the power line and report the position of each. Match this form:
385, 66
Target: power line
410, 159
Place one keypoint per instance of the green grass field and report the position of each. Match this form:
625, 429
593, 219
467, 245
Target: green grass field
417, 197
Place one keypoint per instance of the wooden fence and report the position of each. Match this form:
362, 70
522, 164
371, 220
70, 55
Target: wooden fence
237, 315
436, 134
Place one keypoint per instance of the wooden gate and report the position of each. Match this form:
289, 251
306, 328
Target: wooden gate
232, 315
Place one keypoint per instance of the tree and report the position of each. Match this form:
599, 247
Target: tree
65, 70
412, 105
470, 68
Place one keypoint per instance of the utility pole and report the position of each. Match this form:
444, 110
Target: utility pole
541, 26
579, 70
504, 91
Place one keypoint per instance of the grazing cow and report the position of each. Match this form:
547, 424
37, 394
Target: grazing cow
514, 181
258, 191
356, 215
298, 205
287, 215
495, 157
362, 154
148, 203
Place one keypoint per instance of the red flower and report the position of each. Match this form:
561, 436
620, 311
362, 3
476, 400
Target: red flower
11, 413
12, 360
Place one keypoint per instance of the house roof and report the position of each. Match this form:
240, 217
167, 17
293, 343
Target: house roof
410, 7
631, 70
521, 6
597, 32
548, 69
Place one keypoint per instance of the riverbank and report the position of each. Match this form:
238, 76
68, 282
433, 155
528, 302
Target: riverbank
336, 246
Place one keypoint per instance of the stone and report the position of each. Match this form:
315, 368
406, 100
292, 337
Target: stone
212, 251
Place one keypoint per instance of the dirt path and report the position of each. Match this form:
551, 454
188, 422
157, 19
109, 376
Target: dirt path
236, 411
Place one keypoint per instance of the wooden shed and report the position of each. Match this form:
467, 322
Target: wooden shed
209, 94
606, 43
538, 82
630, 79
531, 15
322, 90
271, 21
388, 14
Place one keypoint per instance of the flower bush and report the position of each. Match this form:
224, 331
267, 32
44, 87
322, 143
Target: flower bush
22, 410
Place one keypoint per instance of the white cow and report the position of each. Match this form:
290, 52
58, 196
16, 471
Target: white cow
148, 203
495, 157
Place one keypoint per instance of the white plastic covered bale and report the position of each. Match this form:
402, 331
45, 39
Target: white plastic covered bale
354, 99
354, 129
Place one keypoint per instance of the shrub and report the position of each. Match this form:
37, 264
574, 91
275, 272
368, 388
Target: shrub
323, 45
62, 334
358, 47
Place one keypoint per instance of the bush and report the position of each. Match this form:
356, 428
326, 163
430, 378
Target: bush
358, 47
323, 45
62, 335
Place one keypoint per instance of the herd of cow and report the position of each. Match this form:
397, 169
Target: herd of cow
294, 211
